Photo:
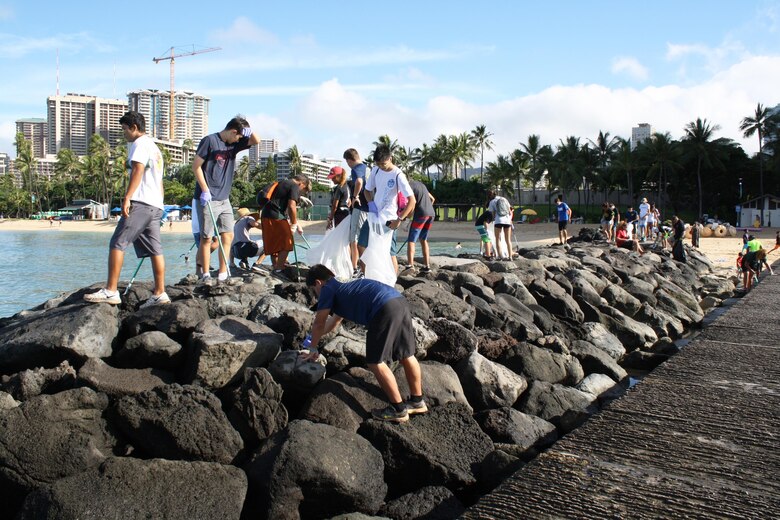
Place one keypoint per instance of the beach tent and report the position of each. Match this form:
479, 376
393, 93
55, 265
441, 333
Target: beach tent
116, 210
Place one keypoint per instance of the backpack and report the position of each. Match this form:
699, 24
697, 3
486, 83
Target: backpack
502, 207
402, 200
265, 195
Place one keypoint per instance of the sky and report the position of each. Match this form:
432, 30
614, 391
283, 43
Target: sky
327, 76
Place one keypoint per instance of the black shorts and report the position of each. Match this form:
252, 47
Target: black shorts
562, 224
244, 250
502, 226
390, 335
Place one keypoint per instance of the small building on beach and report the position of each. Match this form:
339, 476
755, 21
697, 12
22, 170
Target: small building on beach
766, 209
86, 209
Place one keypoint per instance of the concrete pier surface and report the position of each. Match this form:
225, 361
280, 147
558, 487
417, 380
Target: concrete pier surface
699, 437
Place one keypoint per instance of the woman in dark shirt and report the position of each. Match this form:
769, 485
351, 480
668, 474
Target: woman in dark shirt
340, 200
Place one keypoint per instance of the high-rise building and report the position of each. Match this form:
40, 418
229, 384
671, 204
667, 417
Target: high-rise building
191, 110
34, 130
640, 134
315, 169
265, 146
5, 163
74, 118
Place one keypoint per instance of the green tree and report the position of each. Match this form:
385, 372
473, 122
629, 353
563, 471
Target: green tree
69, 167
26, 164
759, 123
481, 138
501, 173
176, 192
242, 171
294, 157
662, 156
187, 147
390, 143
533, 150
624, 161
100, 153
698, 139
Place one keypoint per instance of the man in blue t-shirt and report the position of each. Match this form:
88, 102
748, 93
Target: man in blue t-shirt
359, 205
213, 166
564, 216
390, 335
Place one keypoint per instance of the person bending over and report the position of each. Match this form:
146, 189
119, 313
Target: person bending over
390, 335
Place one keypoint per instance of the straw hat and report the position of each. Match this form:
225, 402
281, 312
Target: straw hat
243, 212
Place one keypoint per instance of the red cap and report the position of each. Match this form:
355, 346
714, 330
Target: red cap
336, 170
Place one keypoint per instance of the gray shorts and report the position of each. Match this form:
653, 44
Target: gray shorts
357, 218
141, 228
223, 214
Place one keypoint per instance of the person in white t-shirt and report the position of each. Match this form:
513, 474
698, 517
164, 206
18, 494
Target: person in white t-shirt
381, 191
644, 219
142, 209
502, 222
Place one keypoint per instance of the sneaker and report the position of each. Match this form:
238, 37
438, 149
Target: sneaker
413, 408
279, 273
425, 269
103, 296
161, 299
257, 268
357, 274
390, 414
243, 264
206, 279
222, 276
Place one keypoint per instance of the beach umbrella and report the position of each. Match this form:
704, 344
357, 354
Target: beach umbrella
116, 210
528, 211
186, 207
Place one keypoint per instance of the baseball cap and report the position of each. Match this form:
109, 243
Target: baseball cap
336, 170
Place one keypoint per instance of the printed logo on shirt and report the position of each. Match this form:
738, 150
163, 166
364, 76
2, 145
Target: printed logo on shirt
220, 157
391, 183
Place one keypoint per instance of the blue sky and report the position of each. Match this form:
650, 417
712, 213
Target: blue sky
328, 76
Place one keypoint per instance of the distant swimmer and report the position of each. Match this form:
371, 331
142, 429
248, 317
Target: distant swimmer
458, 246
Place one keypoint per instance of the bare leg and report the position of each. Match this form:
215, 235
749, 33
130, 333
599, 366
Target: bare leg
426, 251
353, 254
204, 254
115, 259
413, 375
387, 381
281, 258
410, 253
158, 268
227, 240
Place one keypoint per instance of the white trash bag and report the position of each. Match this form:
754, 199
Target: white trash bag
376, 257
333, 252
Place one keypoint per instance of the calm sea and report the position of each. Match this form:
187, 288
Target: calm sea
39, 265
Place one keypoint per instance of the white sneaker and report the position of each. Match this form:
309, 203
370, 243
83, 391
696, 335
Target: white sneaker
206, 279
103, 296
222, 276
161, 299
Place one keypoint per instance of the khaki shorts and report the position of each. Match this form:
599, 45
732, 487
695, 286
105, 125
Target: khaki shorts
223, 214
141, 228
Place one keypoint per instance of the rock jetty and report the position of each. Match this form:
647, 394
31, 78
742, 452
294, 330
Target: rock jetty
202, 409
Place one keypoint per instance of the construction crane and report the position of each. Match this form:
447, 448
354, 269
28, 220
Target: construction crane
172, 54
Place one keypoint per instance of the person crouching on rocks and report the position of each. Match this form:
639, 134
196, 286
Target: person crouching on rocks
622, 239
390, 335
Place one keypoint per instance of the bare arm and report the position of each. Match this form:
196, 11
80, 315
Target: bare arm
254, 139
292, 211
197, 169
358, 189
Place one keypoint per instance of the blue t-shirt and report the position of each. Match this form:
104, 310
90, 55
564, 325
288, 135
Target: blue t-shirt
563, 212
219, 164
357, 301
631, 216
359, 172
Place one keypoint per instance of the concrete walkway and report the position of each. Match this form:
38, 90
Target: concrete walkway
697, 438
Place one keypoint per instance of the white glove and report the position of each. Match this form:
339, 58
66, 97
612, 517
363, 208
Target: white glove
294, 228
305, 202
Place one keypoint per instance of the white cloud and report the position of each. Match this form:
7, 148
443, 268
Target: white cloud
630, 66
6, 12
243, 31
334, 117
14, 46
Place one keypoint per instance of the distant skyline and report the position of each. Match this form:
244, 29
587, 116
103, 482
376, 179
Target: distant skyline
326, 77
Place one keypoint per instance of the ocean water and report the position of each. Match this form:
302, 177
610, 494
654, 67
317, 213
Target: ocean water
39, 265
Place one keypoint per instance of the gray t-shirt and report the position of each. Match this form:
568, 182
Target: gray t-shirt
219, 164
424, 206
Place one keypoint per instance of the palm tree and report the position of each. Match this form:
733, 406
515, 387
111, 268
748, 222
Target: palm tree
532, 149
100, 151
27, 166
243, 168
390, 143
461, 152
481, 138
294, 157
758, 124
423, 159
186, 148
624, 161
441, 156
662, 154
501, 173
520, 167
698, 135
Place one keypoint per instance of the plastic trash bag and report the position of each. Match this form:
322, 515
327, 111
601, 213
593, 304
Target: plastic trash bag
333, 252
379, 263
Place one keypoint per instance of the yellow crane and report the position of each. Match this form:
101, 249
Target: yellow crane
172, 54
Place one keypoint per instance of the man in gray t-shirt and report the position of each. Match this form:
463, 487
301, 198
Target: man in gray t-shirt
214, 166
421, 224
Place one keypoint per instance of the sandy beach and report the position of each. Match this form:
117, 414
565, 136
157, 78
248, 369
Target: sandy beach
722, 251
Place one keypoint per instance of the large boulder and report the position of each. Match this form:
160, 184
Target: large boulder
539, 364
7, 401
518, 319
256, 409
598, 335
237, 300
595, 361
455, 341
290, 319
488, 384
563, 406
136, 489
430, 502
178, 422
621, 299
632, 334
153, 349
224, 347
509, 426
443, 447
597, 384
69, 332
29, 383
177, 320
50, 437
439, 381
662, 323
295, 374
311, 470
444, 304
96, 374
555, 299
679, 304
510, 283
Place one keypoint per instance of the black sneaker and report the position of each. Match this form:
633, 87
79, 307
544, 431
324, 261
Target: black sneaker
425, 269
243, 264
413, 408
390, 414
357, 274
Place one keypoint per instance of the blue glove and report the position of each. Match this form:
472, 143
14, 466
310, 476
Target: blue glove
246, 132
372, 208
205, 197
307, 341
